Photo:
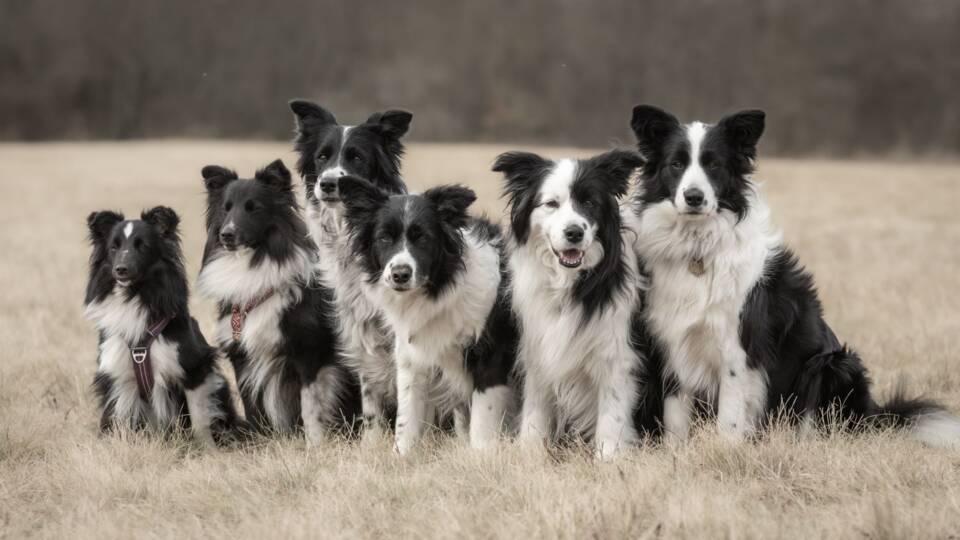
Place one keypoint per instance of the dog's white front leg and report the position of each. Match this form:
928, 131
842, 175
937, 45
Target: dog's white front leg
677, 413
319, 402
741, 389
411, 400
617, 399
374, 418
536, 418
203, 407
488, 413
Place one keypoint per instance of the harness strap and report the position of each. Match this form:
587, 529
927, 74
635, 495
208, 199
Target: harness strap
140, 354
238, 315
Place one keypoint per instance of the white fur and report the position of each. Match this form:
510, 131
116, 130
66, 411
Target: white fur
431, 334
124, 322
939, 429
318, 402
552, 222
490, 409
697, 317
203, 413
694, 176
229, 278
577, 373
365, 342
128, 229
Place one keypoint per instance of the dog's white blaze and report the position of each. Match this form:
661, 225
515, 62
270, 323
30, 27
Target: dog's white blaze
201, 403
128, 229
335, 168
694, 176
552, 222
431, 335
577, 373
698, 317
489, 411
400, 258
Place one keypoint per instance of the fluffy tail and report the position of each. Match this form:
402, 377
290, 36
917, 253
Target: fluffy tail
839, 379
924, 420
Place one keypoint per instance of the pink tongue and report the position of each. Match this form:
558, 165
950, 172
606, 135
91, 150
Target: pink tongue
572, 255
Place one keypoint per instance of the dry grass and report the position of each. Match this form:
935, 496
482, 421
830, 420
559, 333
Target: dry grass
881, 237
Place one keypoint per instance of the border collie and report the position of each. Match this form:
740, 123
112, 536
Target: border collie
577, 293
735, 314
440, 279
371, 150
275, 322
155, 368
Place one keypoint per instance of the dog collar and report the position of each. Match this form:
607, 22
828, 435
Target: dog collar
140, 354
238, 314
697, 267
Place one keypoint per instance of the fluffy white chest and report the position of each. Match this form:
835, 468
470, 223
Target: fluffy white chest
695, 314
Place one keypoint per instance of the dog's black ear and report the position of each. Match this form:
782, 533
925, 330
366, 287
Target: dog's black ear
216, 177
309, 115
523, 173
164, 219
101, 223
360, 198
743, 131
451, 203
652, 125
392, 123
275, 175
615, 168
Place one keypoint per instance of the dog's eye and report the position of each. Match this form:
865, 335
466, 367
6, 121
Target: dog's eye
323, 156
228, 206
713, 165
677, 165
414, 235
137, 243
589, 203
385, 238
115, 246
249, 206
552, 204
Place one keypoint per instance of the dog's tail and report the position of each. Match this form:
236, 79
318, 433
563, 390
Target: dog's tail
838, 381
925, 420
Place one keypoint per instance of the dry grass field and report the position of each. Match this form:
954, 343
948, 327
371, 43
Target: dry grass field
881, 237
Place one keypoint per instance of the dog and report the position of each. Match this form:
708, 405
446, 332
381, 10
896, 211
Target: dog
276, 322
577, 292
371, 150
155, 369
441, 281
734, 313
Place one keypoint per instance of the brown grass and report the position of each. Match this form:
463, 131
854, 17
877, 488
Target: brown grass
882, 239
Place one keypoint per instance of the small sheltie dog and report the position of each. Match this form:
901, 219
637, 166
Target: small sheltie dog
155, 369
276, 321
732, 310
440, 279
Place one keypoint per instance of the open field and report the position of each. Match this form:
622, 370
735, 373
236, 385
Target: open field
882, 239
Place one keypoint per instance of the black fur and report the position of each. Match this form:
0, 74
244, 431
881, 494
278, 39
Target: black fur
372, 151
156, 278
267, 221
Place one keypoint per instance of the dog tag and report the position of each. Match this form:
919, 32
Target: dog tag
697, 267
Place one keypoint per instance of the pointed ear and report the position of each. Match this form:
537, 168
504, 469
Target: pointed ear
275, 175
309, 115
216, 177
616, 167
652, 125
361, 199
451, 203
164, 219
520, 167
392, 123
743, 130
101, 223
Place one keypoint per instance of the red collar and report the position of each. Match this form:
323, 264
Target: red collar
238, 315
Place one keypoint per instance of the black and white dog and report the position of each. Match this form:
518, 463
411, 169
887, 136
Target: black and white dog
275, 321
440, 279
735, 314
371, 150
155, 368
577, 292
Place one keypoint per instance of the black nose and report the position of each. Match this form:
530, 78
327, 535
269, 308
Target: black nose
401, 273
574, 234
121, 271
693, 196
328, 185
228, 238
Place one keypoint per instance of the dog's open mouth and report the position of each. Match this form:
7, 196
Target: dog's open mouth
330, 199
571, 258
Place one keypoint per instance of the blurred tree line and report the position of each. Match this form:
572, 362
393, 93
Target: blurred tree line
854, 77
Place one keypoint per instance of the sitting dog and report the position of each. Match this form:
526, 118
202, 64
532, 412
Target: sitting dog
276, 322
155, 369
440, 279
